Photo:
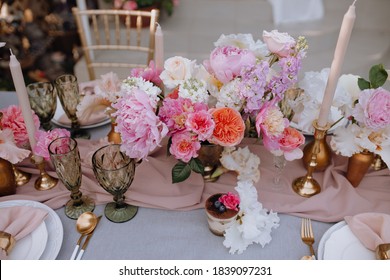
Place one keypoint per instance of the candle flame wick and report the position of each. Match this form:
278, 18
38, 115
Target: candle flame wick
11, 51
353, 4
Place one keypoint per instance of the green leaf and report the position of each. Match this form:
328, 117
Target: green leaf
180, 172
378, 75
196, 165
363, 84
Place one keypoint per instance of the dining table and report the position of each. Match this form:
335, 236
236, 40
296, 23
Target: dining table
171, 222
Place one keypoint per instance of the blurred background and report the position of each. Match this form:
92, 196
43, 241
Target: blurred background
43, 36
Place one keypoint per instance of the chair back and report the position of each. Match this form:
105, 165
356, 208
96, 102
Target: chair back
116, 38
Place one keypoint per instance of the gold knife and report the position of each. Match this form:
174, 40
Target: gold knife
80, 255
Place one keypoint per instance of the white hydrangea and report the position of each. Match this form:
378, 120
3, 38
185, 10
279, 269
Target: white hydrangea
194, 89
140, 83
228, 97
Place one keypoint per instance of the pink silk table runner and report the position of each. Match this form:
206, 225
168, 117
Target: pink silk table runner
152, 186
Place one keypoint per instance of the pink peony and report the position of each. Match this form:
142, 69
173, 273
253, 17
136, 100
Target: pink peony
13, 119
279, 43
184, 146
226, 62
373, 108
151, 73
141, 130
44, 138
289, 143
230, 200
201, 123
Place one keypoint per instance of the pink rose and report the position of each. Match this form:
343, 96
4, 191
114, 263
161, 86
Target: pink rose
289, 143
13, 119
278, 43
230, 200
44, 138
201, 123
184, 146
373, 108
226, 62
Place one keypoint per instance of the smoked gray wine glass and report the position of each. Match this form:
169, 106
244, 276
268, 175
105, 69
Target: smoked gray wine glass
115, 171
69, 95
65, 156
43, 101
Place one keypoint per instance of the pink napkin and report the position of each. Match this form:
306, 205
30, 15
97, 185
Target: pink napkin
19, 221
371, 229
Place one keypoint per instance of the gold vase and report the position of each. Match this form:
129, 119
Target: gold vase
358, 165
209, 155
7, 178
113, 136
324, 156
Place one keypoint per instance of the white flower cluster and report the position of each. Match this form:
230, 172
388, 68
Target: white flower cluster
192, 80
131, 83
254, 224
228, 97
308, 105
242, 161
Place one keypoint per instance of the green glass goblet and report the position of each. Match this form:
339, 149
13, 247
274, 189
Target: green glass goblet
43, 101
65, 156
69, 95
115, 171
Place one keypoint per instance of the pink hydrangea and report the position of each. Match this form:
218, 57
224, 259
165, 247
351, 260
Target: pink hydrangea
373, 108
151, 73
201, 123
226, 62
184, 146
141, 130
13, 119
44, 138
230, 200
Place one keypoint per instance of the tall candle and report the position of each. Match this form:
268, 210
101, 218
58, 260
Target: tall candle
24, 103
338, 59
159, 48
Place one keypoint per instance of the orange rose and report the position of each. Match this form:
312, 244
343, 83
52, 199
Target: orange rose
229, 127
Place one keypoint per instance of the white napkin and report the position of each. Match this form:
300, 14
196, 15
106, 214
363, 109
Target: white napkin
19, 221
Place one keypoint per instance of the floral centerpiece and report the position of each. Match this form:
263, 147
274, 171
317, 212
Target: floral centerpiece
368, 125
166, 5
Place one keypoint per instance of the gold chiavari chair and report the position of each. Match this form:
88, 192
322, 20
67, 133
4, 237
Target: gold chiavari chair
116, 38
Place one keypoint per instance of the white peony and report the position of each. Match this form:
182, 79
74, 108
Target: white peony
8, 149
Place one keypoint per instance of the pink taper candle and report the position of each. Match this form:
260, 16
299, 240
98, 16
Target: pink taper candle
159, 48
24, 103
335, 69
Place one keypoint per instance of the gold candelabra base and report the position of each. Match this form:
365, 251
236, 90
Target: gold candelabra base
307, 186
44, 181
21, 177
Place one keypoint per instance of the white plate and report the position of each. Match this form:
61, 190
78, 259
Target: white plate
339, 243
53, 226
31, 246
60, 113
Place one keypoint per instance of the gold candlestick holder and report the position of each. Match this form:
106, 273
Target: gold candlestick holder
307, 186
44, 181
21, 177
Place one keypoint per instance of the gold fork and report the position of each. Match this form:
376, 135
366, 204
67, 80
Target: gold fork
307, 234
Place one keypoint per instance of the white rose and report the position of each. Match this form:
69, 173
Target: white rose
278, 43
176, 70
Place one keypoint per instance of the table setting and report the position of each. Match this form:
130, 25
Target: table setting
188, 160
